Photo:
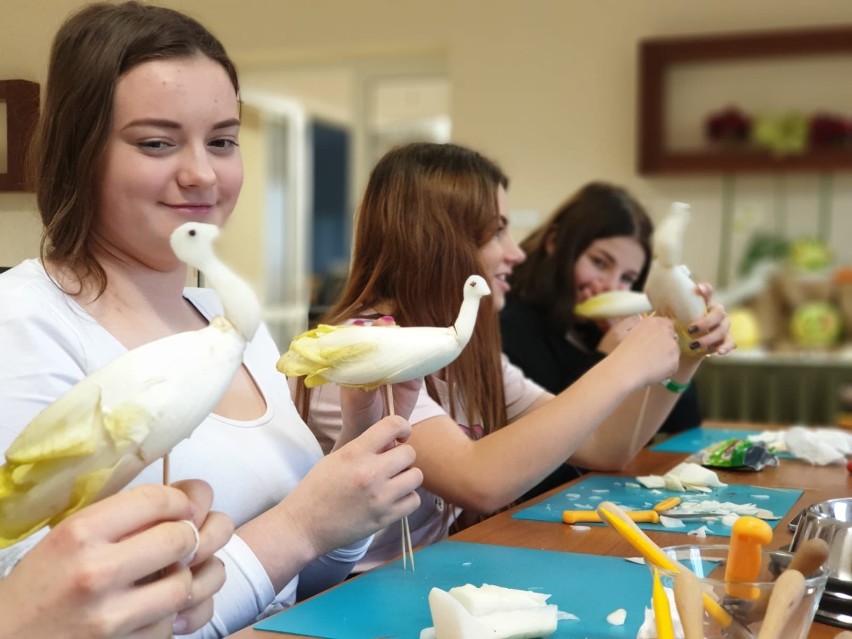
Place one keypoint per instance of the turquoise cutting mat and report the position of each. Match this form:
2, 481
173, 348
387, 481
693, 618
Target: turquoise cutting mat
390, 603
627, 492
695, 439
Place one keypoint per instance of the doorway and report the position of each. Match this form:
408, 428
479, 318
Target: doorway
342, 119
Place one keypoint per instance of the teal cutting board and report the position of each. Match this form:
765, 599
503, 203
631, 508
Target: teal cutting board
389, 602
696, 439
627, 492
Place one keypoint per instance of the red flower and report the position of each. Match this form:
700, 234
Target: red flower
828, 130
730, 124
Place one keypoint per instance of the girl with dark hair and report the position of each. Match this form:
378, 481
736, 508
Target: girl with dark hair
598, 240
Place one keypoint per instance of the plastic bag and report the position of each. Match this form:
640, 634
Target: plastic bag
738, 454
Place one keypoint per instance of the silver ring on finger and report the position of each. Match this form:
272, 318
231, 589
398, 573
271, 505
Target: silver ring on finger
191, 556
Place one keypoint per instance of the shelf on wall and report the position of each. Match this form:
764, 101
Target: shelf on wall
750, 161
658, 56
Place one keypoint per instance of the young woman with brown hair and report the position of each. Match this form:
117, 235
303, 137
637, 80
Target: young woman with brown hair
431, 216
140, 134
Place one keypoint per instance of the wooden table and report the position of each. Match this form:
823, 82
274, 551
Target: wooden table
818, 483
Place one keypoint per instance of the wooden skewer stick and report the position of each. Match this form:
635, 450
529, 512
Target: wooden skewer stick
637, 429
407, 548
164, 571
166, 469
642, 408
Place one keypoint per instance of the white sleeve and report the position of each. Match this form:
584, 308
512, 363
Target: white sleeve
330, 569
248, 597
246, 594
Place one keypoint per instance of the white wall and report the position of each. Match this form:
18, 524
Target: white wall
545, 87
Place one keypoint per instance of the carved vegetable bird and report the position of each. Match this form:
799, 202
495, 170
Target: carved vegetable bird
370, 356
669, 290
96, 438
669, 286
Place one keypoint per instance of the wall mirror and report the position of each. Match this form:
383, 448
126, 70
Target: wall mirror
19, 104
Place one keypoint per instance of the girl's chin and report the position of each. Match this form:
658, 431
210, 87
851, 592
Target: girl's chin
498, 300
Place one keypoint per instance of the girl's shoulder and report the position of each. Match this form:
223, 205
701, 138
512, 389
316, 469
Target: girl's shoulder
27, 293
29, 275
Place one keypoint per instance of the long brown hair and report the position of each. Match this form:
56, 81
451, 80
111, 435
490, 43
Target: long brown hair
91, 51
426, 211
545, 280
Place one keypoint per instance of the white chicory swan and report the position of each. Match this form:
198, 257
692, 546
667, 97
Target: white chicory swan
669, 290
669, 286
95, 439
370, 356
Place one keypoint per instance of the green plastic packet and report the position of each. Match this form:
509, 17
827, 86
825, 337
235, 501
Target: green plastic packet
738, 454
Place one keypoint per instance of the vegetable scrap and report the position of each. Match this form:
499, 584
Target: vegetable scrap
493, 612
683, 477
617, 617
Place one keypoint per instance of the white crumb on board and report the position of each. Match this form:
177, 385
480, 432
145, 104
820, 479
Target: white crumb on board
617, 617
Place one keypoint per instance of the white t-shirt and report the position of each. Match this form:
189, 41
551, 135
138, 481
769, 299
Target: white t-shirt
431, 521
48, 343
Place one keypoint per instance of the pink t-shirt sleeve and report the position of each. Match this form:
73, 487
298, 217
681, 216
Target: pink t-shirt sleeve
425, 408
521, 392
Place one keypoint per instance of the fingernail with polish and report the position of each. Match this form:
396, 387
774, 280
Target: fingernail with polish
359, 322
694, 345
388, 318
692, 329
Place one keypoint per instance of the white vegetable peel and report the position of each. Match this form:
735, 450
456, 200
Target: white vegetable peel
490, 612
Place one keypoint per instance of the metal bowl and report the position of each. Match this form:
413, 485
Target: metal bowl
832, 521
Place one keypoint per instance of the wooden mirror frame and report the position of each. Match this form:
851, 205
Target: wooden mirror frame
22, 104
657, 54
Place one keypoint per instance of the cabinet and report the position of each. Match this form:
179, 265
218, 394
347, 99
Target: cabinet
658, 56
775, 388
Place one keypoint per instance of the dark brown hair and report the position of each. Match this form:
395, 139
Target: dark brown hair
426, 212
545, 280
92, 49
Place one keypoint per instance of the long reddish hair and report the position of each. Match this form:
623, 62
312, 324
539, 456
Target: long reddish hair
426, 212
